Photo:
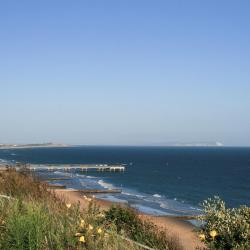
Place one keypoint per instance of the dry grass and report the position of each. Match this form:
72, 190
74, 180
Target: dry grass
34, 218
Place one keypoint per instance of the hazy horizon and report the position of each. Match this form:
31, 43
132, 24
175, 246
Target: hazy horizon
125, 72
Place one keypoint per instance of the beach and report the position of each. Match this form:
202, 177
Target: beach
162, 183
173, 226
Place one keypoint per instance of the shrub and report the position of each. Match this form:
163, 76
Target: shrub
33, 218
128, 223
225, 228
31, 225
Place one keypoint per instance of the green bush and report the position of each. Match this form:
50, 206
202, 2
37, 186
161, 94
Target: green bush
128, 223
31, 225
36, 219
225, 228
31, 217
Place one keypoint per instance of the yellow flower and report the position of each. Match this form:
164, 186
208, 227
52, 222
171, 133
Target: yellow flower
213, 234
90, 227
82, 222
99, 230
101, 215
82, 239
202, 236
68, 205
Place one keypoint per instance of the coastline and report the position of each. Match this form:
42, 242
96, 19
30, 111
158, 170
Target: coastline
27, 146
173, 225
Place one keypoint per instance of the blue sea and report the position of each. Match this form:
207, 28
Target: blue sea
157, 180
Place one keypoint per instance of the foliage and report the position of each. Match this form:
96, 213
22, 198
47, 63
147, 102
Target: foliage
20, 185
33, 218
129, 223
225, 228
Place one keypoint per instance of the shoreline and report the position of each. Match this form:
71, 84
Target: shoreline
176, 226
24, 146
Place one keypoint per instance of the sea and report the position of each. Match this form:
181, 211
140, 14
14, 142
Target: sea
156, 180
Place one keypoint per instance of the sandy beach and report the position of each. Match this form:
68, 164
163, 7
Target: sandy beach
174, 226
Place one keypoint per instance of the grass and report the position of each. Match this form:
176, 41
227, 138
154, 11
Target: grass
128, 222
34, 218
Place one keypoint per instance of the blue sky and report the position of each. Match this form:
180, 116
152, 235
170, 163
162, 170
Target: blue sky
133, 72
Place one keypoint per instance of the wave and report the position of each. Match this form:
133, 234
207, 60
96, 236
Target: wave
90, 177
4, 161
133, 194
156, 195
150, 210
63, 173
148, 203
105, 184
181, 208
152, 204
113, 198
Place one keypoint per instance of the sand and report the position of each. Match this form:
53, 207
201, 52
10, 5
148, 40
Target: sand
173, 226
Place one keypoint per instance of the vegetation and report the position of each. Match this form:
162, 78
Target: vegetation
129, 224
225, 228
33, 218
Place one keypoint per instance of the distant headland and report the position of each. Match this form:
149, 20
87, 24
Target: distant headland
200, 144
34, 145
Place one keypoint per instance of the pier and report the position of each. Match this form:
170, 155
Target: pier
70, 167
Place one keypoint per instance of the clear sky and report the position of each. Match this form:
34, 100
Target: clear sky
125, 71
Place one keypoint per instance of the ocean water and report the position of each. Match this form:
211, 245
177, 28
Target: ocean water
157, 180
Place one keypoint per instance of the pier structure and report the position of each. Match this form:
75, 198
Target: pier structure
69, 167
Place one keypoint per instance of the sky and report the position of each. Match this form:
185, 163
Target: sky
125, 72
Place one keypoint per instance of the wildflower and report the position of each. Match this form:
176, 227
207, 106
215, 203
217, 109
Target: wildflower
68, 205
82, 222
82, 239
202, 237
90, 227
99, 230
213, 234
101, 215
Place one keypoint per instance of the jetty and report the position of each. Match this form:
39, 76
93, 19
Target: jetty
71, 167
56, 179
58, 186
94, 191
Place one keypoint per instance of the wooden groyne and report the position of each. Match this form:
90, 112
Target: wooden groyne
56, 179
100, 191
95, 191
59, 186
